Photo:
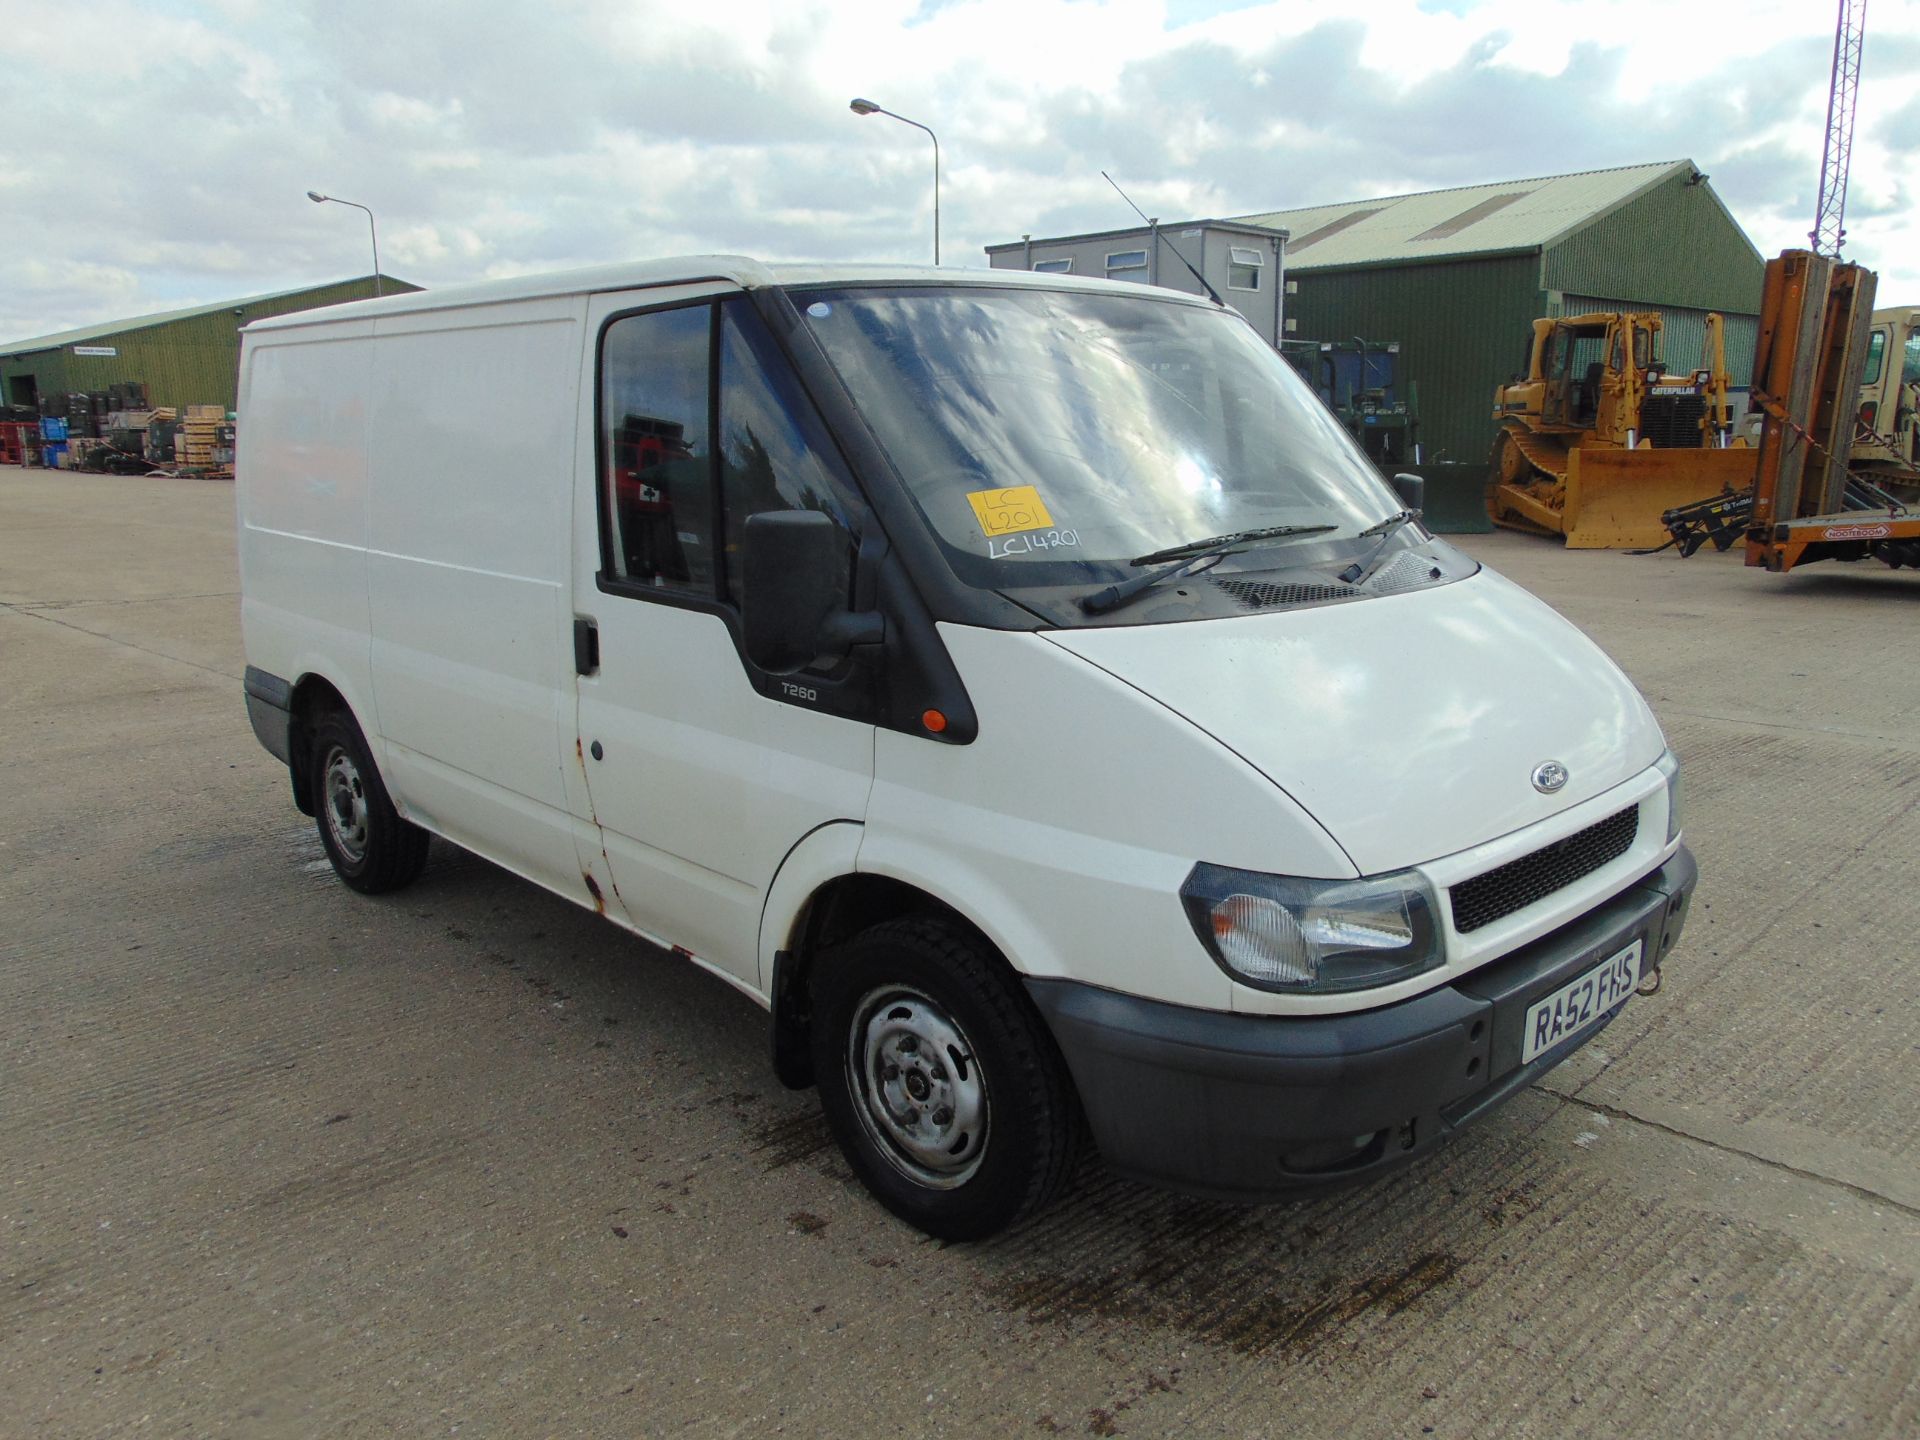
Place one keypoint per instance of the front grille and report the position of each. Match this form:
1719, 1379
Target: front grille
1257, 595
1672, 422
1518, 883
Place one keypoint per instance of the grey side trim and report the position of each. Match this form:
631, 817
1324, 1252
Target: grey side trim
270, 711
270, 688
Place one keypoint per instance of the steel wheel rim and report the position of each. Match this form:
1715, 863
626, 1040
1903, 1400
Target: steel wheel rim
917, 1087
344, 802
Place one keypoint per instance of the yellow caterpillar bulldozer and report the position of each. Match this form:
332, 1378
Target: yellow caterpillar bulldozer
1597, 439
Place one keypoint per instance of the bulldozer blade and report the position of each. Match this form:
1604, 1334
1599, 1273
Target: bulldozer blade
1615, 498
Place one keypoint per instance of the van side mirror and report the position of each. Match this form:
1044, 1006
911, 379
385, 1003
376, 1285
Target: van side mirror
1412, 490
794, 575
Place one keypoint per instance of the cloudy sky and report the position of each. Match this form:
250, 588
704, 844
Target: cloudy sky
155, 153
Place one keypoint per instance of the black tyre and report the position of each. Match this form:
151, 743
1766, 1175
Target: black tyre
940, 1080
371, 847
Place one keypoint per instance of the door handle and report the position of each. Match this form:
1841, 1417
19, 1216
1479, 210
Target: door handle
586, 646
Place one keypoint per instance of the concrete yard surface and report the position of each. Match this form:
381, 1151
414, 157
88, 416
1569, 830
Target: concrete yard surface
280, 1160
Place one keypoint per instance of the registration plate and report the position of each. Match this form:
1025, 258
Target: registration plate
1582, 1003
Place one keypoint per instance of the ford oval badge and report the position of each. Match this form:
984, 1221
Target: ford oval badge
1549, 776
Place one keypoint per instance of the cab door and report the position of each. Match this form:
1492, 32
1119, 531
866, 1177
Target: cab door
700, 773
1556, 354
1905, 400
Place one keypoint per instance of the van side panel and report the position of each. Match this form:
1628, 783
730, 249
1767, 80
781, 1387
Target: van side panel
1064, 832
302, 505
471, 442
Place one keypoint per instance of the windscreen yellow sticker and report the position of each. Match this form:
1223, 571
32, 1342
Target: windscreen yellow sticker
1008, 512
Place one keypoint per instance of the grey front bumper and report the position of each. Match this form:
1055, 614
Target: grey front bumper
1258, 1107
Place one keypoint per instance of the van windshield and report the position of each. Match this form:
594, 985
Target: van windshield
1056, 437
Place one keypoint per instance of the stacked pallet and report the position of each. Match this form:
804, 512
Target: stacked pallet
162, 426
86, 413
200, 436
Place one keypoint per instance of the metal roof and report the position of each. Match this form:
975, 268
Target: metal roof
1237, 227
165, 317
740, 270
1502, 217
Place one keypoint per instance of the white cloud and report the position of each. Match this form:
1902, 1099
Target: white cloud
410, 112
495, 138
417, 246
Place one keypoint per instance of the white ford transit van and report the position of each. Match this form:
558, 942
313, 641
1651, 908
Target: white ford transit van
1018, 685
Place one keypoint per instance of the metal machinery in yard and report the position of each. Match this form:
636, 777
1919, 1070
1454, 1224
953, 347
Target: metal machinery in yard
1364, 386
1598, 439
1362, 382
1886, 442
1806, 502
1837, 384
19, 441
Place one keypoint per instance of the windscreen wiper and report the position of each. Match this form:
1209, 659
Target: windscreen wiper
1217, 542
1386, 529
1114, 596
1198, 555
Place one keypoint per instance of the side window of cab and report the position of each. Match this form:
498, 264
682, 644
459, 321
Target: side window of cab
656, 405
702, 425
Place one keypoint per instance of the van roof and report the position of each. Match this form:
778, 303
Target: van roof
741, 270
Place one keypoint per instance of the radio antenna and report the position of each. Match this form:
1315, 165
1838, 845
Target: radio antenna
1154, 226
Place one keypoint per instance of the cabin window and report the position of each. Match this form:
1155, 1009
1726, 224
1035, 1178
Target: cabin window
703, 424
774, 450
1876, 358
656, 403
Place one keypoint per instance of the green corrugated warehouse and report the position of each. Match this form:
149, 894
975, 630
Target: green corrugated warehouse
184, 357
1456, 276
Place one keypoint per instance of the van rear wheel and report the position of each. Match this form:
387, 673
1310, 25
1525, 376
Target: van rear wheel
372, 848
940, 1080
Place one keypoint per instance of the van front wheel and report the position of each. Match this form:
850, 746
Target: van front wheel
940, 1080
372, 848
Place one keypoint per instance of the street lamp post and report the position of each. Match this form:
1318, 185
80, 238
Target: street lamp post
319, 199
867, 107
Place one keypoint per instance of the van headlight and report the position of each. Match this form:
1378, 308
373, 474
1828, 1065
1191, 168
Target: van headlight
1283, 933
1669, 765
